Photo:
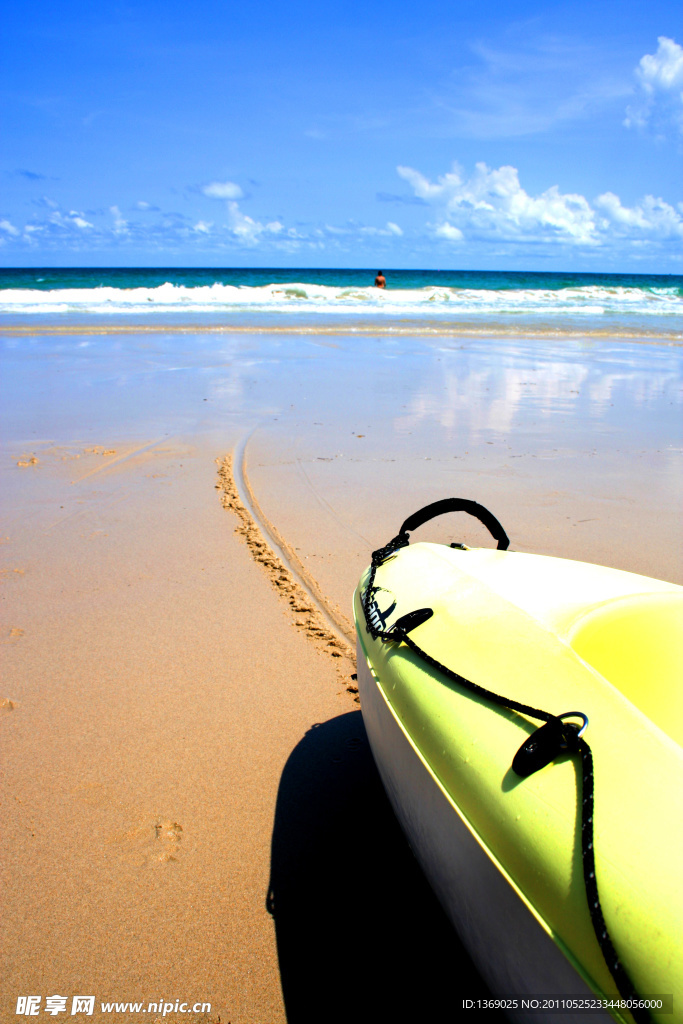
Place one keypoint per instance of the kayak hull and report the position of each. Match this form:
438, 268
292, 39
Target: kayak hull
514, 954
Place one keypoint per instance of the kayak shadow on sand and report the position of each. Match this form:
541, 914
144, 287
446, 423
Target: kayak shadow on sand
360, 935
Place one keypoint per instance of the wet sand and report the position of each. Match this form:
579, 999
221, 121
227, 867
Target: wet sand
191, 811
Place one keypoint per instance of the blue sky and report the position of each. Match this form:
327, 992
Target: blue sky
467, 134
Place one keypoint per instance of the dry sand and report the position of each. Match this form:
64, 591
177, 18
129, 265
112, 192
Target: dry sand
158, 689
190, 808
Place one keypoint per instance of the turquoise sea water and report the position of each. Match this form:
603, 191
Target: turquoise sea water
490, 280
330, 300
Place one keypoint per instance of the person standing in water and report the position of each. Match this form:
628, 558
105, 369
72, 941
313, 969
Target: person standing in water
380, 280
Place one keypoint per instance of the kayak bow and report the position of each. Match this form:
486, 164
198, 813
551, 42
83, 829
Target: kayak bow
491, 682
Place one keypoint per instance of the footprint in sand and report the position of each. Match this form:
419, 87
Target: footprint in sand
165, 847
144, 840
13, 635
149, 844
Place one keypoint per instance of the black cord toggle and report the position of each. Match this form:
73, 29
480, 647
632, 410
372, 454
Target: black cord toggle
403, 626
545, 744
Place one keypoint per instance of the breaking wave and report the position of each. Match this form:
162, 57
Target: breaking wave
431, 303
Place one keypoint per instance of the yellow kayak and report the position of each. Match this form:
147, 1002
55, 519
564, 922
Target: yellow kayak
534, 863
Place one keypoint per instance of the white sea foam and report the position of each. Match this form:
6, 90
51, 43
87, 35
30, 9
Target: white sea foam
312, 299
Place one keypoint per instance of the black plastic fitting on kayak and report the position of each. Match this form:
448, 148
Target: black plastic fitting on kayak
411, 621
473, 508
548, 742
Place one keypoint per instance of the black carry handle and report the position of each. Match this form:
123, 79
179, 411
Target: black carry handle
473, 508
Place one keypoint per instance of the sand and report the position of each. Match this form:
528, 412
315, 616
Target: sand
190, 808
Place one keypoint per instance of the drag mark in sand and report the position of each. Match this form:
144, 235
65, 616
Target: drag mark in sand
114, 457
312, 614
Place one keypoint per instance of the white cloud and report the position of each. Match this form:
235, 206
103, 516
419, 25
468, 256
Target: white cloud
223, 190
488, 210
391, 230
659, 99
66, 230
243, 227
247, 229
653, 218
69, 220
79, 220
422, 187
524, 83
120, 225
664, 70
446, 230
491, 205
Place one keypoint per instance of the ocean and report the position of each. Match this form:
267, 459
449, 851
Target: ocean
415, 301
